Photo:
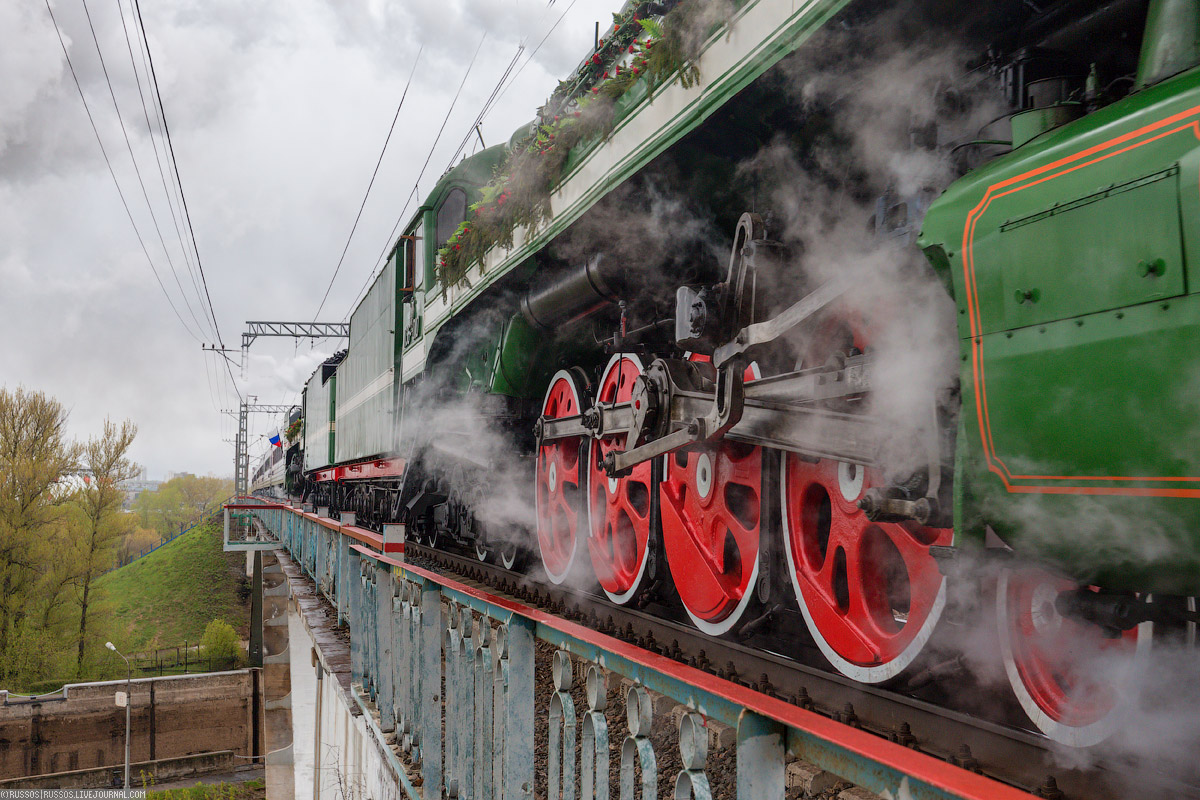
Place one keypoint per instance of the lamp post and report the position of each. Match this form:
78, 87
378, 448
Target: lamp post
128, 704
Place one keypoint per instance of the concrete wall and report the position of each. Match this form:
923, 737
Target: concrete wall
171, 716
351, 762
277, 682
161, 771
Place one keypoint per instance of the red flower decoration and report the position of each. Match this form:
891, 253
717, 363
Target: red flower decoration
596, 58
632, 49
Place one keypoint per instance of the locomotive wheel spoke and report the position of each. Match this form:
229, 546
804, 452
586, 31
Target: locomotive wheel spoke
557, 485
870, 592
620, 518
1072, 681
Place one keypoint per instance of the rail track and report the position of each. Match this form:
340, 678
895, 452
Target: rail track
1008, 754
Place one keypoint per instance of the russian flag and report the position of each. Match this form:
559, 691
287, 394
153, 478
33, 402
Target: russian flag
275, 441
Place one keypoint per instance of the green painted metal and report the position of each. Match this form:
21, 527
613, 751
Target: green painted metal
1071, 260
1172, 41
512, 371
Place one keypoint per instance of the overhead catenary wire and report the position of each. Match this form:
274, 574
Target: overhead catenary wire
136, 169
371, 183
111, 172
387, 245
170, 193
162, 110
175, 165
535, 50
490, 104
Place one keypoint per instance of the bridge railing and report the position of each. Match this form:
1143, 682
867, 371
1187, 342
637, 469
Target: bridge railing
474, 695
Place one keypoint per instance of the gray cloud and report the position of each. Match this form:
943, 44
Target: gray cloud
277, 114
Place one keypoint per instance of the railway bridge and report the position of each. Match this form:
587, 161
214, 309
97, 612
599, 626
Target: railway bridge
451, 687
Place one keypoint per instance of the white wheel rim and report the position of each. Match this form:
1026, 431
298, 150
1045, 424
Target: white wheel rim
573, 561
872, 674
735, 616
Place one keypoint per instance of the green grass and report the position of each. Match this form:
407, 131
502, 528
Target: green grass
167, 597
249, 790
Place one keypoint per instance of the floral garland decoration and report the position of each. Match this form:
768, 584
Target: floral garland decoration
293, 430
584, 109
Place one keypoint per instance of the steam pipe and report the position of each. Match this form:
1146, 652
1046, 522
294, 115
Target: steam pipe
571, 295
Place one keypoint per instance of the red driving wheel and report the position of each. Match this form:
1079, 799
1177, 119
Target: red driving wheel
619, 509
1070, 679
711, 503
558, 485
871, 593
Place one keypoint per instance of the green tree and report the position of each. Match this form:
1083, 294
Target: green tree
103, 526
35, 457
180, 502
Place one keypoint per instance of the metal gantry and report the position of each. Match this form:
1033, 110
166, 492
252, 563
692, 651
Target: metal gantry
241, 446
295, 330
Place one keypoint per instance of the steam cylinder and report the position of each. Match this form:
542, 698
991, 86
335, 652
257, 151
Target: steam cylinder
571, 295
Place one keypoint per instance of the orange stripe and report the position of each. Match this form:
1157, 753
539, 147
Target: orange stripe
994, 463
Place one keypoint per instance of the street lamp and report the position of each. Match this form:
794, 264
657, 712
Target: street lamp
128, 703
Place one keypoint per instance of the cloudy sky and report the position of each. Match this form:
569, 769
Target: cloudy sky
278, 113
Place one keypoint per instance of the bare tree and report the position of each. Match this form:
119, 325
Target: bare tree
100, 500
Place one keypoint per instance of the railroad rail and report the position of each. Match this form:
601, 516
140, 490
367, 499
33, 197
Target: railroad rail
413, 624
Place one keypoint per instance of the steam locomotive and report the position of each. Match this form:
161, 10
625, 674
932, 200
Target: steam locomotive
876, 312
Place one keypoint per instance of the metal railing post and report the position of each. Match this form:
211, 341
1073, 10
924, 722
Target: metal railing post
430, 699
518, 711
593, 779
484, 676
637, 749
760, 757
356, 630
385, 592
560, 772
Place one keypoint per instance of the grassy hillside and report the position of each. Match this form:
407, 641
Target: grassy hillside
168, 597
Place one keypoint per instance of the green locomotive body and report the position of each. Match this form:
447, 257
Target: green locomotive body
1073, 263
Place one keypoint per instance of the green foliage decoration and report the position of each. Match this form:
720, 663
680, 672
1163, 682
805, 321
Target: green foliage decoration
582, 110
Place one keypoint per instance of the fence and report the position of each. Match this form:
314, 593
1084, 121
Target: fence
179, 660
485, 698
203, 518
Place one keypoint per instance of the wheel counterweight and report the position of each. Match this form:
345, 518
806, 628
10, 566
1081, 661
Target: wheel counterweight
620, 510
711, 504
558, 485
711, 516
1072, 681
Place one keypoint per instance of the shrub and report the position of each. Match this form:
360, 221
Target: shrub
220, 642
